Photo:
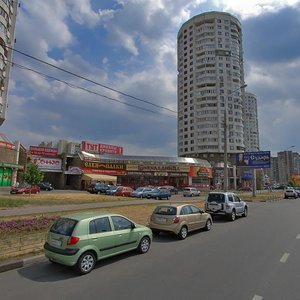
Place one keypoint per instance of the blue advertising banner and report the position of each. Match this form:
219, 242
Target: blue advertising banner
259, 159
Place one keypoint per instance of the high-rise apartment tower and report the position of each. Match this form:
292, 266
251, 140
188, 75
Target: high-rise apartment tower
8, 13
250, 117
210, 79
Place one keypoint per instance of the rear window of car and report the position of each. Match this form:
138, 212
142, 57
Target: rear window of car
64, 226
187, 189
166, 210
219, 198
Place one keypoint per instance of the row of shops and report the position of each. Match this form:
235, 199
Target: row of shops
78, 170
66, 169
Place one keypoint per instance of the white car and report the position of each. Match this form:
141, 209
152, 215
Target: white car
190, 192
290, 193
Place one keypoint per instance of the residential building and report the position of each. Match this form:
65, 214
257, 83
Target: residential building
8, 13
210, 80
250, 118
288, 161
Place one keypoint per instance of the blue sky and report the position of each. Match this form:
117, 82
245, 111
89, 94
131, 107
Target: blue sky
130, 46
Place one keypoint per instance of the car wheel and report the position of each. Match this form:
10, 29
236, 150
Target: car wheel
208, 225
167, 197
144, 245
183, 233
86, 263
232, 215
245, 213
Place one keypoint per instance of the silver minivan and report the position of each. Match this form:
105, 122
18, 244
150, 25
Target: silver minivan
225, 204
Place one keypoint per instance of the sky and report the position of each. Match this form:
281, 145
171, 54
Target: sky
127, 52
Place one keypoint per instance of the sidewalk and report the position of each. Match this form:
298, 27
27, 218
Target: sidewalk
71, 207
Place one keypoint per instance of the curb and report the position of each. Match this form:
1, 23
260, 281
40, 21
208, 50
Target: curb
16, 264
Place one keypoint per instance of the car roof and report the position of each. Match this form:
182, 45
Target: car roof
83, 216
177, 205
223, 193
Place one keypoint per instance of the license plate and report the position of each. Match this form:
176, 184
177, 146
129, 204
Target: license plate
161, 220
55, 243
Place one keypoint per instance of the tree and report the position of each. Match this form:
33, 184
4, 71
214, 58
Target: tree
33, 175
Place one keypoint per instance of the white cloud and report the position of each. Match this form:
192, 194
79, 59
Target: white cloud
253, 8
82, 13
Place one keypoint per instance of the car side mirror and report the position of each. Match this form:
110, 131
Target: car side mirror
133, 226
202, 211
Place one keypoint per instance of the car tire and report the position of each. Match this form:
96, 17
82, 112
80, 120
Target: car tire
245, 213
208, 225
232, 215
144, 245
183, 233
86, 263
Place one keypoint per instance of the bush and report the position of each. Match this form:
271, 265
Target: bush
27, 225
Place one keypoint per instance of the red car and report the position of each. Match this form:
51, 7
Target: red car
124, 191
25, 189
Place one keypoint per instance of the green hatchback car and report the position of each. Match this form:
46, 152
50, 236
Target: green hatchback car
82, 239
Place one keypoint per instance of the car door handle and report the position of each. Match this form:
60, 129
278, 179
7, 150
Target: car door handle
94, 239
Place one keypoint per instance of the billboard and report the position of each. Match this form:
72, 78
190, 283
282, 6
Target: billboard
45, 163
258, 159
101, 148
43, 151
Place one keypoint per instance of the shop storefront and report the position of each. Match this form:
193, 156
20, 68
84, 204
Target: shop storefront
9, 161
137, 171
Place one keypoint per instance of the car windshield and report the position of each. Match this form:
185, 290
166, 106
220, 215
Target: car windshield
219, 198
140, 189
64, 226
165, 210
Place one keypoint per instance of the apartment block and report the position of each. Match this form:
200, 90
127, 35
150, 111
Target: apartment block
8, 13
210, 81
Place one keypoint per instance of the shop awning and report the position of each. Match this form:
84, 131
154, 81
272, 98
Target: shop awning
99, 177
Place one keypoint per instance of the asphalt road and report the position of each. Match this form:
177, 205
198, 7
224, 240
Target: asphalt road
253, 258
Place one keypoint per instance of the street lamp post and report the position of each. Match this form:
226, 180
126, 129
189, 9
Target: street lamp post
226, 137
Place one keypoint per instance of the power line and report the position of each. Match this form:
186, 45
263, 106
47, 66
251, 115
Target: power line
71, 85
89, 80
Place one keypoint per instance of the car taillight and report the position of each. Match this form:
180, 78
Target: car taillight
176, 220
73, 240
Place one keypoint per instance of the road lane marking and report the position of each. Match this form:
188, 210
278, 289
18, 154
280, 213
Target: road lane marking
284, 257
256, 297
298, 237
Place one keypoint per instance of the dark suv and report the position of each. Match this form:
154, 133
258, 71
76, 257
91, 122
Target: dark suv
98, 188
225, 204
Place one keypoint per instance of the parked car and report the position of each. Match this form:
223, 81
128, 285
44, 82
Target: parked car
140, 192
112, 190
190, 192
25, 189
226, 204
124, 191
172, 189
290, 193
46, 186
159, 194
82, 239
179, 219
98, 188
